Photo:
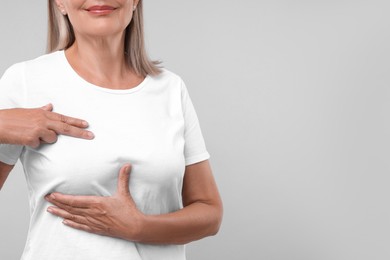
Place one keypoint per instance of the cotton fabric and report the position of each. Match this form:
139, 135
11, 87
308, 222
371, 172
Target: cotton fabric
153, 126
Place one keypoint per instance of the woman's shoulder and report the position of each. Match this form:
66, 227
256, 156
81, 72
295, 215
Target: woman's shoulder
39, 63
167, 76
49, 59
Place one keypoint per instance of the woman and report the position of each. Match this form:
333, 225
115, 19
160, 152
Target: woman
140, 120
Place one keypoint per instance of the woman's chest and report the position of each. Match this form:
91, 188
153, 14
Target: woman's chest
149, 138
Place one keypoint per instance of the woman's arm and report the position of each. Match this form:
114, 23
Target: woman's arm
5, 169
200, 217
117, 216
31, 127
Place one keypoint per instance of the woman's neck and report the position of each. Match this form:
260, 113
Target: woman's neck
101, 61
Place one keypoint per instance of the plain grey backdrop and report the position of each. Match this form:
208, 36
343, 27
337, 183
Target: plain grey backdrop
293, 100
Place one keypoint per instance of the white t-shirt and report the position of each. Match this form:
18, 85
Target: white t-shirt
153, 126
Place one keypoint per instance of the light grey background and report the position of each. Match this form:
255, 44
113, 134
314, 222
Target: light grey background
293, 100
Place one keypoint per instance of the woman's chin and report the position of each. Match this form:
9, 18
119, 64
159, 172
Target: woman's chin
103, 31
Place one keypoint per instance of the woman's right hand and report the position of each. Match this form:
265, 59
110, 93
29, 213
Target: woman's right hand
31, 127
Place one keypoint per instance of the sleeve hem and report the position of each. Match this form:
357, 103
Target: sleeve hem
7, 160
197, 158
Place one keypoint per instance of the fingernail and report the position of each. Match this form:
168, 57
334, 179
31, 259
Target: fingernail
65, 222
47, 196
52, 196
90, 135
128, 168
85, 123
50, 210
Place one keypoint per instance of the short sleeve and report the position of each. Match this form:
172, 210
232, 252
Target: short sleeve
12, 95
194, 147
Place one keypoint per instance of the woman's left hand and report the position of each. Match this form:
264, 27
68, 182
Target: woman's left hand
115, 216
118, 216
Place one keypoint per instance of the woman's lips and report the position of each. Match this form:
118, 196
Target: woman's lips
100, 9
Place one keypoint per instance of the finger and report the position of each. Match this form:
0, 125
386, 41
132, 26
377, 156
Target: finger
71, 200
69, 130
68, 120
66, 215
49, 137
79, 226
123, 180
70, 209
33, 143
48, 107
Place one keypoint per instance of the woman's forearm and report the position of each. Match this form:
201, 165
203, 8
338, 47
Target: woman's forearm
191, 223
33, 126
118, 216
200, 217
5, 169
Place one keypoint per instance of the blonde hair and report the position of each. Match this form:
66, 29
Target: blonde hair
61, 36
